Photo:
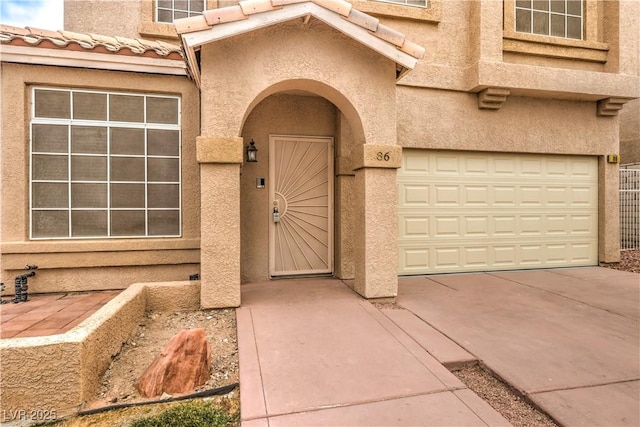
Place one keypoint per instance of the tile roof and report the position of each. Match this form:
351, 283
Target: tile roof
246, 8
96, 43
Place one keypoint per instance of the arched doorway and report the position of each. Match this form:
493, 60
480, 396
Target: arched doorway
299, 67
299, 135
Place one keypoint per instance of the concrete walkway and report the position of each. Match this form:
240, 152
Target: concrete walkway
567, 338
314, 353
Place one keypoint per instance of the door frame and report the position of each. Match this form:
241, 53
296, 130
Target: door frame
330, 198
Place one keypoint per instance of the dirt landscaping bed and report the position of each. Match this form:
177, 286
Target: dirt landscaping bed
117, 385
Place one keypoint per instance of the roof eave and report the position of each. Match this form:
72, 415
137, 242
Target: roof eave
84, 59
192, 41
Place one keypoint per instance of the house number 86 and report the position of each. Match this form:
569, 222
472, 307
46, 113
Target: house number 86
382, 156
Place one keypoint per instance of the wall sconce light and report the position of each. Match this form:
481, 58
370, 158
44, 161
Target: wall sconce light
252, 152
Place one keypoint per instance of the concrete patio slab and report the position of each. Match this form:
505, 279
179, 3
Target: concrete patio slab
611, 290
606, 405
438, 409
312, 352
551, 334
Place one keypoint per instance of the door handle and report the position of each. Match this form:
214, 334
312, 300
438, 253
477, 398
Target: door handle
276, 215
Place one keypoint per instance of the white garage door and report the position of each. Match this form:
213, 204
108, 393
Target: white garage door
467, 211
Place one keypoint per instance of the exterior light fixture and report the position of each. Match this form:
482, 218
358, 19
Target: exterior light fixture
252, 152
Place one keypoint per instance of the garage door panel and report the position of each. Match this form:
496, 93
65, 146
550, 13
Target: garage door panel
415, 260
414, 195
468, 219
447, 227
414, 227
504, 195
476, 226
447, 195
476, 195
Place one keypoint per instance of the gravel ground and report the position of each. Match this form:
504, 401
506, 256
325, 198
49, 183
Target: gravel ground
629, 261
502, 398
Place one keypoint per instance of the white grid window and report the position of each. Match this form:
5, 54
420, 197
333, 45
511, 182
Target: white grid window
104, 164
557, 18
170, 10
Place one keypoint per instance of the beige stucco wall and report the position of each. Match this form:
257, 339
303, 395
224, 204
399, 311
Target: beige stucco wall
630, 132
85, 264
292, 56
554, 86
125, 18
279, 115
108, 17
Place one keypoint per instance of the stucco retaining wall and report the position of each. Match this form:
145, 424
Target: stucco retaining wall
59, 373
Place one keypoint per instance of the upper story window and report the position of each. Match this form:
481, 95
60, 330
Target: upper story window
420, 3
104, 164
557, 18
169, 10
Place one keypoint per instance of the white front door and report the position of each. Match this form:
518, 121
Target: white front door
301, 205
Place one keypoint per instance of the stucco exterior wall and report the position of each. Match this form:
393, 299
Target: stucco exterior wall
124, 18
553, 88
437, 119
86, 264
282, 115
291, 56
117, 17
630, 132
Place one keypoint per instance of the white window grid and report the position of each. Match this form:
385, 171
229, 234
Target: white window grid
551, 13
109, 125
176, 11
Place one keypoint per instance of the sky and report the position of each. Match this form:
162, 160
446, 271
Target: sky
44, 14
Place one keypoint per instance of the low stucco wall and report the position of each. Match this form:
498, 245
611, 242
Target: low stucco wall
55, 375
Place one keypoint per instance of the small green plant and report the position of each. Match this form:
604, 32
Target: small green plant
190, 414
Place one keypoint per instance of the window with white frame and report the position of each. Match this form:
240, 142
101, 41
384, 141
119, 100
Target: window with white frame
104, 164
170, 10
557, 18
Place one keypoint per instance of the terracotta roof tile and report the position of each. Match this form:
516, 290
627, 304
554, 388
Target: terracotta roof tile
226, 14
341, 7
10, 35
413, 49
15, 30
251, 7
285, 2
390, 35
363, 20
191, 24
245, 8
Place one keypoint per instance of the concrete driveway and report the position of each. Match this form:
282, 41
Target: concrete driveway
566, 338
312, 352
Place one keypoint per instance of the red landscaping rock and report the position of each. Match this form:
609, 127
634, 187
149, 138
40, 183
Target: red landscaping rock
181, 367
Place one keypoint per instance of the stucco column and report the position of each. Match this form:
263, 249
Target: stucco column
609, 208
220, 160
376, 231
